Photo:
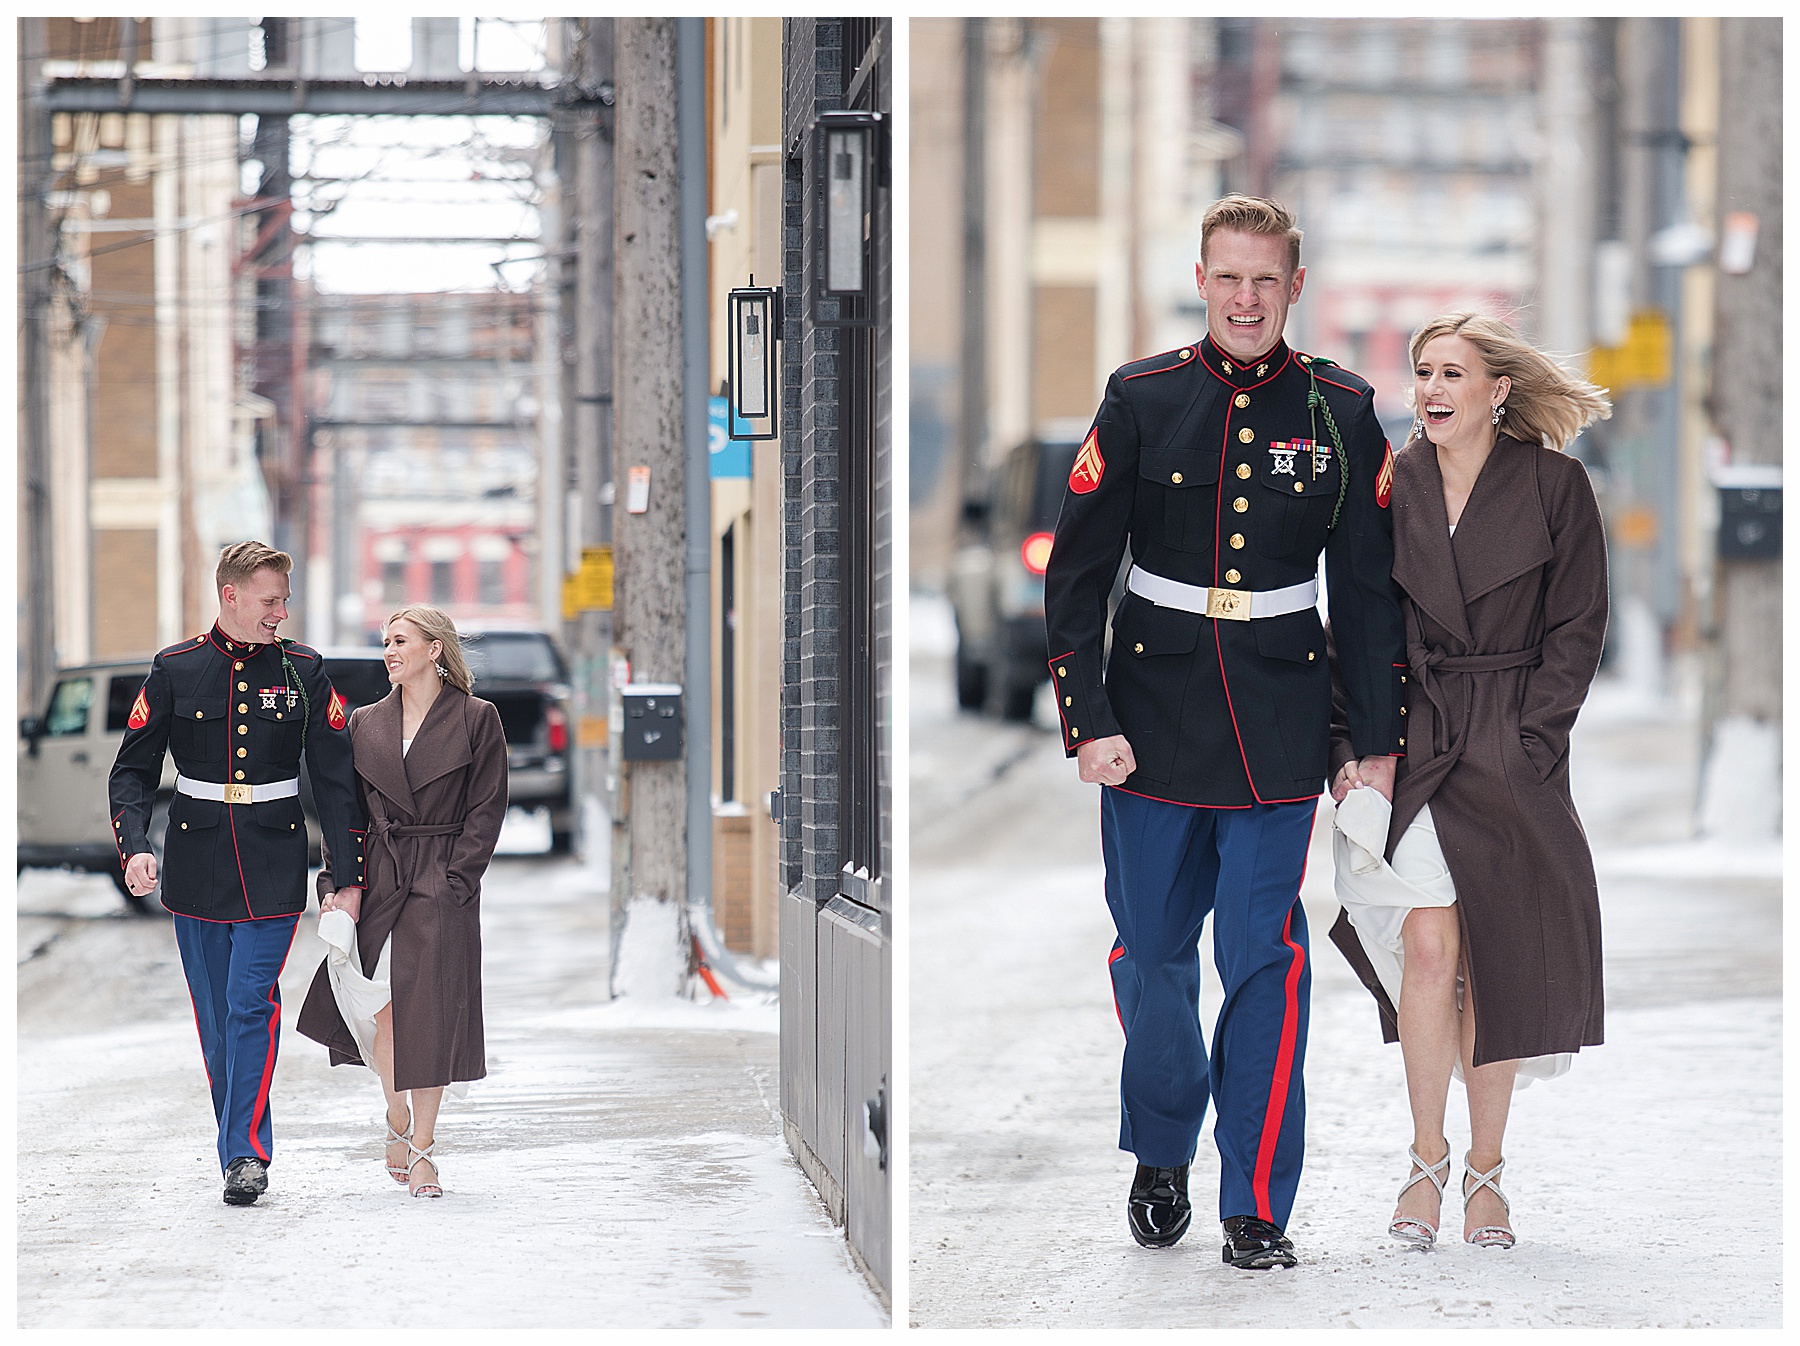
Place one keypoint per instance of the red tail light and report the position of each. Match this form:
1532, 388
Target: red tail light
1035, 552
558, 724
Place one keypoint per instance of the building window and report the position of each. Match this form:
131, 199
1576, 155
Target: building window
493, 582
393, 583
443, 581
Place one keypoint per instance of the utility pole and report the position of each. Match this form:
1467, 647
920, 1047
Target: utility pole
37, 588
973, 412
650, 838
587, 317
1741, 790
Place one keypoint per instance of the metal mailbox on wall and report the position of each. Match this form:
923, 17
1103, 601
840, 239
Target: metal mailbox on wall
1749, 523
652, 721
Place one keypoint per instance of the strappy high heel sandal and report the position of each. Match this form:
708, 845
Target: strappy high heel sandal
423, 1156
1405, 1228
396, 1171
1487, 1235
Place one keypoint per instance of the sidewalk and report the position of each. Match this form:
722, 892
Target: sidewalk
1646, 1185
621, 1165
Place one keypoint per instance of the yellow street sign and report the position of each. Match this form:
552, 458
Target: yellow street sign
1646, 360
589, 589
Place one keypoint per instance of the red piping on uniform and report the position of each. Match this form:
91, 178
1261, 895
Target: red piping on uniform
262, 1093
1112, 958
1193, 346
1284, 1066
1059, 708
1182, 804
1335, 384
231, 817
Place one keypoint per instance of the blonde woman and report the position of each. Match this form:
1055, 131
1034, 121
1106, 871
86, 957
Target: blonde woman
1483, 951
431, 765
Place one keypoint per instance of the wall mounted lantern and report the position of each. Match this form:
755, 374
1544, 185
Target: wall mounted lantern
754, 314
849, 145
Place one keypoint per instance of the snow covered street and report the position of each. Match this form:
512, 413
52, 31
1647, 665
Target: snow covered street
622, 1165
1646, 1185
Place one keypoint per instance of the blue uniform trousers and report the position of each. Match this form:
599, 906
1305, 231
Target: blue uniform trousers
1167, 866
233, 972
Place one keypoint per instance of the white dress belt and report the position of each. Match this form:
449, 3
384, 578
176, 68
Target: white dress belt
1231, 604
220, 793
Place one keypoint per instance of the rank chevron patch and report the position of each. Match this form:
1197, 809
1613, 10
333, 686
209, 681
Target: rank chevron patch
140, 712
1384, 479
334, 712
1089, 465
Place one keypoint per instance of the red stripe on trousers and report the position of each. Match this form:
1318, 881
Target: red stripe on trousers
1112, 958
262, 1092
1284, 1066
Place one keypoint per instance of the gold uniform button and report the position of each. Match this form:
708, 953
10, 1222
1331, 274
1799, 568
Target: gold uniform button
1243, 471
239, 666
1403, 710
199, 715
1310, 656
242, 708
243, 686
1186, 354
1068, 701
1175, 477
1241, 401
1246, 435
184, 827
1237, 541
1232, 577
290, 827
1403, 679
1074, 733
1062, 672
243, 752
1299, 486
1402, 743
243, 729
1138, 648
240, 775
1240, 504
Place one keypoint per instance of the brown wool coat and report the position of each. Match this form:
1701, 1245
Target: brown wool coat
1488, 734
424, 890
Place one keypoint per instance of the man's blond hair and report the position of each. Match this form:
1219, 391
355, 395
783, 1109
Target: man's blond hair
1251, 215
241, 560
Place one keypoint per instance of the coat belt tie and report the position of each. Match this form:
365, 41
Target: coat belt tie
383, 829
1428, 662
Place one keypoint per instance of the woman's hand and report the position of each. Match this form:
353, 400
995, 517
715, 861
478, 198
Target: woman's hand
345, 900
1347, 779
1377, 773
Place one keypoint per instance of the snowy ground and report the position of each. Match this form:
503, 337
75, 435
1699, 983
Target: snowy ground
622, 1164
1646, 1185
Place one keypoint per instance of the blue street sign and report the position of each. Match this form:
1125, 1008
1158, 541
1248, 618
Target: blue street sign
730, 457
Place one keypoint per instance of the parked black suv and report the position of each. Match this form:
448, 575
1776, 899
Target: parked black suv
997, 580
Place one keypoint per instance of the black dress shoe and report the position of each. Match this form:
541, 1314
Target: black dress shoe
245, 1180
1256, 1245
1158, 1209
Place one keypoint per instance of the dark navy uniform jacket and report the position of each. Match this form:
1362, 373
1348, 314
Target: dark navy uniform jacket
237, 714
1218, 474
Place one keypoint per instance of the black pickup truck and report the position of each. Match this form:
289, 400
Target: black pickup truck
522, 673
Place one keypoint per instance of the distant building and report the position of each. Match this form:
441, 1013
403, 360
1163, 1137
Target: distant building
424, 425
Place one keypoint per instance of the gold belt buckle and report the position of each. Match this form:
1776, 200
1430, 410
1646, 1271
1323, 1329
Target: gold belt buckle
237, 794
1232, 605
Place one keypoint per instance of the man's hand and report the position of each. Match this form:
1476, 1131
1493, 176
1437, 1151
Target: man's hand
140, 874
1377, 772
344, 899
1105, 761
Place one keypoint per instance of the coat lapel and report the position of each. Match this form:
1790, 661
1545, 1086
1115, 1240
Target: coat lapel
1423, 563
377, 751
1495, 543
442, 743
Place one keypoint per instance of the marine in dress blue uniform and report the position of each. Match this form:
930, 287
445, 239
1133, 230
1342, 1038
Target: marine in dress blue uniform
237, 716
1225, 480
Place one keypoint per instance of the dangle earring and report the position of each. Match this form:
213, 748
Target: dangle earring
442, 672
1499, 411
1418, 427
